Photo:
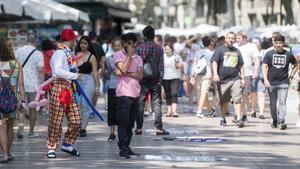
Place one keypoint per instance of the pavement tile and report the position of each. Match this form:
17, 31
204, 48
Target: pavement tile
252, 147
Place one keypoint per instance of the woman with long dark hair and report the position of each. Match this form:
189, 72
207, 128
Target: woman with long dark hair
88, 78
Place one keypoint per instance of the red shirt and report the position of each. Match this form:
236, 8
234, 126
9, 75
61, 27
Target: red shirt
47, 56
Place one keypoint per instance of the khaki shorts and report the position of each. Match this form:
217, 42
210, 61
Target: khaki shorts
203, 84
231, 90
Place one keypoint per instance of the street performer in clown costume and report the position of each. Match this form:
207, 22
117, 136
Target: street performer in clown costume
62, 99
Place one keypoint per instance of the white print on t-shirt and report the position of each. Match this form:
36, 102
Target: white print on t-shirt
279, 60
230, 59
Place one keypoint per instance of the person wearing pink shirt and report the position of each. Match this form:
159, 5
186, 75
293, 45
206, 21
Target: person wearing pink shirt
129, 70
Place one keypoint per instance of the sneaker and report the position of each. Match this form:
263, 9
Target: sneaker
146, 113
162, 132
132, 153
70, 150
240, 123
82, 133
212, 113
223, 122
245, 119
200, 115
253, 114
261, 117
153, 114
19, 132
234, 120
111, 137
32, 135
51, 154
124, 154
282, 125
274, 124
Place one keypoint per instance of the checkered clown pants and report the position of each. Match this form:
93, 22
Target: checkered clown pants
56, 115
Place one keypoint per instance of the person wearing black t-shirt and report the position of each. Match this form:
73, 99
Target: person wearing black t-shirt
276, 79
228, 72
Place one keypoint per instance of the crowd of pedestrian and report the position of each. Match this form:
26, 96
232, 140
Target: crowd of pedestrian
133, 74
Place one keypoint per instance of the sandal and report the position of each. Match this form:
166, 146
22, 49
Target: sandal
162, 132
175, 115
4, 160
73, 152
11, 156
168, 115
51, 154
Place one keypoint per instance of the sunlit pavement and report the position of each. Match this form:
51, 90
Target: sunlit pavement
256, 145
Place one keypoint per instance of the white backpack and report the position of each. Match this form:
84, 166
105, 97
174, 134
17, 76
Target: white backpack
201, 63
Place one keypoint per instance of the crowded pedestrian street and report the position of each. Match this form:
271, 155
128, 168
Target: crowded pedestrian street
254, 147
149, 84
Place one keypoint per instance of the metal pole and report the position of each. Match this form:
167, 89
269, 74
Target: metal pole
272, 11
280, 12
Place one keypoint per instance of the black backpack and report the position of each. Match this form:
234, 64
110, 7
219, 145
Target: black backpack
8, 98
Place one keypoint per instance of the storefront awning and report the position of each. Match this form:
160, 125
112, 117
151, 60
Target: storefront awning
47, 10
119, 13
100, 8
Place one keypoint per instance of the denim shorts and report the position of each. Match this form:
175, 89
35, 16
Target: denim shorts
258, 85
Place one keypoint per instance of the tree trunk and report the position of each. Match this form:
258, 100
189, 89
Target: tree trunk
231, 12
289, 11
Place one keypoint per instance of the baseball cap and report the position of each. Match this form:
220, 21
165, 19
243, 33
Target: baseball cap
67, 35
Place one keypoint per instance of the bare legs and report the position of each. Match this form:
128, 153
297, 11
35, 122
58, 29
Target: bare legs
6, 137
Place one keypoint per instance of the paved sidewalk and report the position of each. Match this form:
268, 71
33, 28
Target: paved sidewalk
255, 146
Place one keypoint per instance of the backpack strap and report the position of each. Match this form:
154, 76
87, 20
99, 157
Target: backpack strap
26, 60
13, 70
9, 77
107, 47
